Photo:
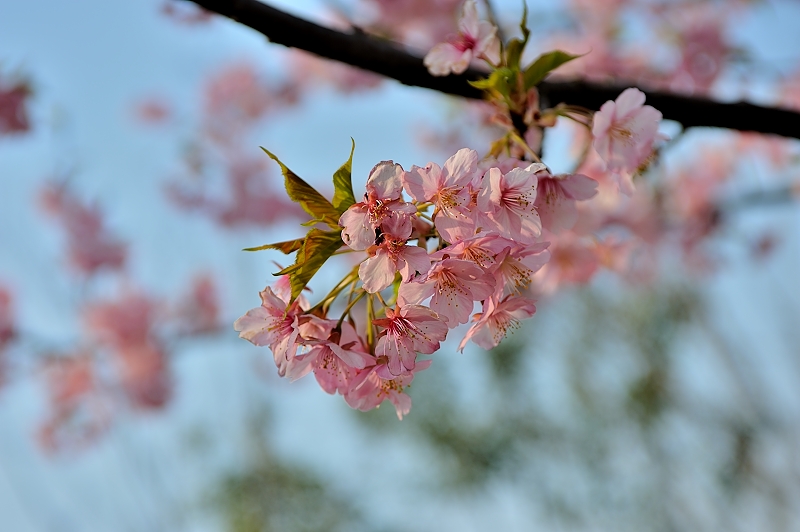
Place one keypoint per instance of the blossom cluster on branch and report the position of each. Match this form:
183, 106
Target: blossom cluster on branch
438, 240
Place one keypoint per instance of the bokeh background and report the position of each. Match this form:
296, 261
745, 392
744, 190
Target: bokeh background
659, 401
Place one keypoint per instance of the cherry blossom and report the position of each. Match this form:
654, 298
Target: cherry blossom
447, 189
514, 267
409, 330
13, 111
508, 201
334, 357
389, 257
91, 246
145, 376
373, 386
475, 40
455, 285
382, 200
624, 132
199, 311
572, 260
79, 413
250, 200
492, 325
7, 326
273, 324
556, 197
128, 320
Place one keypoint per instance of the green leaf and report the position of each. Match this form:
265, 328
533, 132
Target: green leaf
523, 24
544, 64
514, 52
343, 195
482, 84
318, 246
286, 247
301, 192
499, 81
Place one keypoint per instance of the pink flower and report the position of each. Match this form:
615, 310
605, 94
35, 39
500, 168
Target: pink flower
455, 285
572, 260
334, 359
374, 385
120, 324
509, 203
391, 256
493, 324
145, 374
235, 97
515, 266
126, 328
7, 327
447, 189
153, 110
624, 132
556, 197
199, 312
91, 246
410, 330
480, 249
78, 413
382, 200
247, 192
475, 40
13, 112
275, 325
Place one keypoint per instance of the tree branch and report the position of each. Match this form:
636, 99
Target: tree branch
389, 59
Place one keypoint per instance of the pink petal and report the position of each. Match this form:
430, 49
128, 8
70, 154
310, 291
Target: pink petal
460, 167
629, 101
384, 181
579, 186
377, 272
358, 233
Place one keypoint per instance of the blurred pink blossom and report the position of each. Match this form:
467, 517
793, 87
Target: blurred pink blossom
250, 200
7, 323
497, 318
198, 312
185, 13
152, 110
90, 245
475, 40
624, 132
126, 327
13, 112
79, 414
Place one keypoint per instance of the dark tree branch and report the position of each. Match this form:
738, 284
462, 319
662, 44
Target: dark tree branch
391, 60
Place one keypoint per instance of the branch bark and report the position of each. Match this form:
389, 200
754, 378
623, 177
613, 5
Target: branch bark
389, 59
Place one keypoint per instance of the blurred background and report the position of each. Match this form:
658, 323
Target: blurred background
655, 390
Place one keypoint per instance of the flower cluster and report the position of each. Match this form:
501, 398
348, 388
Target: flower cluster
466, 233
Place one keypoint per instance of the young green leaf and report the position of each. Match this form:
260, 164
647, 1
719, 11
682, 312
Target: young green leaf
544, 64
523, 24
498, 81
514, 52
343, 195
301, 192
286, 247
318, 246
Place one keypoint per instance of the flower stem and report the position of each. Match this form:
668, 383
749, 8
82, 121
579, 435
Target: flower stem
350, 307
